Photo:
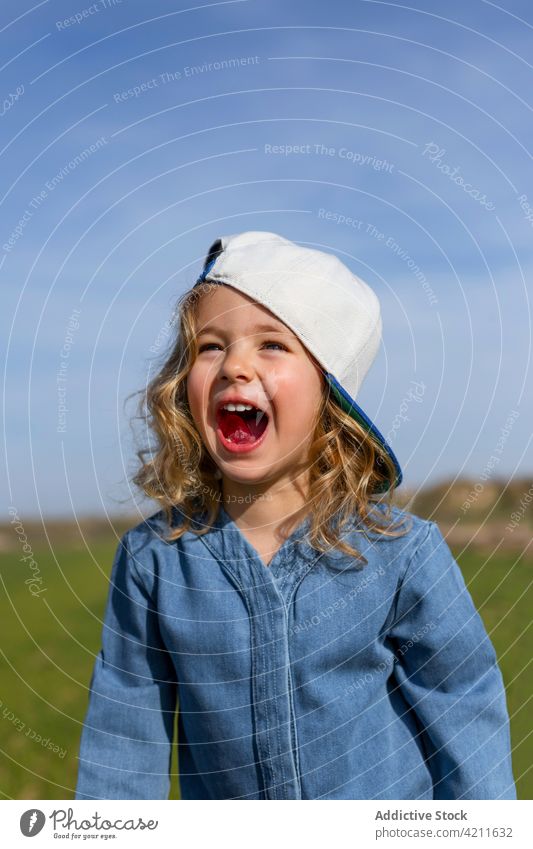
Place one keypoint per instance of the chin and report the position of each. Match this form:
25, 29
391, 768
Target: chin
244, 478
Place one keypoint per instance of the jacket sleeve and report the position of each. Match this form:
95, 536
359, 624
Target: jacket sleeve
127, 736
447, 669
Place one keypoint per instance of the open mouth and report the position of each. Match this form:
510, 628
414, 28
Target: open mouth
242, 427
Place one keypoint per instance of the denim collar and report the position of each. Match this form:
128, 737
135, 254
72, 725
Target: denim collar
228, 544
226, 541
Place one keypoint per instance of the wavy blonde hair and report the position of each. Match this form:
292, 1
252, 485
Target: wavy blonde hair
347, 468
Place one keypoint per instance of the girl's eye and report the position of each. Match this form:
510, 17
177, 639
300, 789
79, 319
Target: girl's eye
283, 348
206, 346
209, 345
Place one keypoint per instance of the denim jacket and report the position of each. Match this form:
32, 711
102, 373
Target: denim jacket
312, 678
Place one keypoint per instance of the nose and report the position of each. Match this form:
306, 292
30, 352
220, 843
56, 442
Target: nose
236, 364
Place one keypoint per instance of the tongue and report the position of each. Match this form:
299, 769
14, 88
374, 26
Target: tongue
240, 429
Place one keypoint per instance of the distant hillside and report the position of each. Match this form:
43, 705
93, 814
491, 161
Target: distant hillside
473, 500
479, 513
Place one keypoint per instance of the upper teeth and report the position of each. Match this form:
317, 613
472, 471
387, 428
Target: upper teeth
237, 407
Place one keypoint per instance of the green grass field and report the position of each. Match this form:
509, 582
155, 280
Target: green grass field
49, 644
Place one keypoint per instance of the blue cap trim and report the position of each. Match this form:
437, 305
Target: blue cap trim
206, 271
349, 406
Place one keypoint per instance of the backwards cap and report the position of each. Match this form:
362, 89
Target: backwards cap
334, 313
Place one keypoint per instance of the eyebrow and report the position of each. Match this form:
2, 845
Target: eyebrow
259, 328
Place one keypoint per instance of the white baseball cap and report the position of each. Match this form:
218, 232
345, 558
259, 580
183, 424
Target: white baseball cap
334, 313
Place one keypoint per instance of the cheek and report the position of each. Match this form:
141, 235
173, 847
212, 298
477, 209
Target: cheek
197, 390
299, 395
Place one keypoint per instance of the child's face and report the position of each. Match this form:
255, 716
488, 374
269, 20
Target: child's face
269, 369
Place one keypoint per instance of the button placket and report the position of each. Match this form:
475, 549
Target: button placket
272, 706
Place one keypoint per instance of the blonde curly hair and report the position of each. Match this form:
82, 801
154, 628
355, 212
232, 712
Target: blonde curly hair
348, 470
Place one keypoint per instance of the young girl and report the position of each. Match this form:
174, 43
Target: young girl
316, 641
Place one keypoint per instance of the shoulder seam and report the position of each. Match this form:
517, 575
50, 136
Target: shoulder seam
401, 579
134, 568
430, 526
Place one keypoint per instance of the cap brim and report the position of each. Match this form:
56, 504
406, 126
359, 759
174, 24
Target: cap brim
347, 403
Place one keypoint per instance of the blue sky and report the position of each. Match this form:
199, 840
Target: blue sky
132, 135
